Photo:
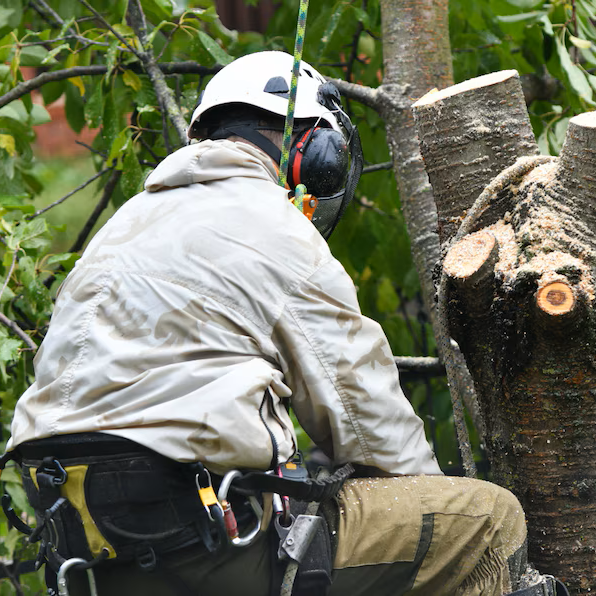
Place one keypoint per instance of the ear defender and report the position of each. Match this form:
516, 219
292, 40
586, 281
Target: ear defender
319, 159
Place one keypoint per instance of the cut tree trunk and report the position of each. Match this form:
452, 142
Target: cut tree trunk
519, 233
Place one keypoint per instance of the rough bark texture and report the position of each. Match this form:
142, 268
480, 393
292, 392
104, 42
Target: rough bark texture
417, 58
488, 129
524, 315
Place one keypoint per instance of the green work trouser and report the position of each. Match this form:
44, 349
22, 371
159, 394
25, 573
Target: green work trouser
423, 535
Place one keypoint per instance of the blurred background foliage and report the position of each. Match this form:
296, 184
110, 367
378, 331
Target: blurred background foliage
551, 44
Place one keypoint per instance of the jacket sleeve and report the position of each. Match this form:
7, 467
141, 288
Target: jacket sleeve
345, 384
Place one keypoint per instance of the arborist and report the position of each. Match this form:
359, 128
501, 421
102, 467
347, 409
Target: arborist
156, 443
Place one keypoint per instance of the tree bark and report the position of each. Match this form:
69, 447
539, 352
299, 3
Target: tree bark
520, 295
417, 58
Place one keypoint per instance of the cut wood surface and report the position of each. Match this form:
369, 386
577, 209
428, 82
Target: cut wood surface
519, 298
556, 298
487, 130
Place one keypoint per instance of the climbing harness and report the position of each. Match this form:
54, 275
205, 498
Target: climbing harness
78, 526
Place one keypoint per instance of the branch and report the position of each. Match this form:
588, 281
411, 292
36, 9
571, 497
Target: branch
110, 28
420, 364
11, 269
60, 22
8, 322
96, 69
164, 94
388, 96
367, 204
17, 331
66, 196
386, 165
48, 77
103, 203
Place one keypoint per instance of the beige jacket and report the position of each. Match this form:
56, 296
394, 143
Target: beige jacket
196, 297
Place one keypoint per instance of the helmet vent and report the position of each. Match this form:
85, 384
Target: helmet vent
277, 86
308, 73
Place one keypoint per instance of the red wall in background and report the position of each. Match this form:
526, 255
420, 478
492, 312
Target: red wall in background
234, 14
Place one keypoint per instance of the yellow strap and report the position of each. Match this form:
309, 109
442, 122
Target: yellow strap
33, 473
74, 490
207, 496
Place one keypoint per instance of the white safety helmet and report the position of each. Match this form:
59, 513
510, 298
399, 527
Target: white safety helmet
263, 80
326, 155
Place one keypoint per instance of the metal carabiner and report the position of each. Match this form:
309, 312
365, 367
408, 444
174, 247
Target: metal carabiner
222, 495
65, 567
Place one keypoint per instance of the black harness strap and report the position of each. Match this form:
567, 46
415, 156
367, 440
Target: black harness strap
311, 489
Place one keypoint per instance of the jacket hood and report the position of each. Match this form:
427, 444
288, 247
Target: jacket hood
211, 160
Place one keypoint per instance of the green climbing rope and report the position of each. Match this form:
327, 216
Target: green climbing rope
289, 125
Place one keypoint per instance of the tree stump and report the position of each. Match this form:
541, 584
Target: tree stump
518, 235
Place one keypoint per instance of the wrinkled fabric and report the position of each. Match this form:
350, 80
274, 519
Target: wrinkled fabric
197, 296
425, 536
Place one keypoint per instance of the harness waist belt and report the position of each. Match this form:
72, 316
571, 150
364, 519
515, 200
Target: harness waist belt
311, 489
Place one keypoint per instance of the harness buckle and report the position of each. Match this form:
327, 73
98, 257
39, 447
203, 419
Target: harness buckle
53, 469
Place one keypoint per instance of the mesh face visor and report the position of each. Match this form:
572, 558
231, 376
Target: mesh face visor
330, 209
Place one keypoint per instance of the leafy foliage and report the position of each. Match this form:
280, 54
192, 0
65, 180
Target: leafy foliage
109, 87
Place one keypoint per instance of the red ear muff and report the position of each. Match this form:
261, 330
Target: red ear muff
296, 158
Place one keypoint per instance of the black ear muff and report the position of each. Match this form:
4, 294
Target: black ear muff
319, 159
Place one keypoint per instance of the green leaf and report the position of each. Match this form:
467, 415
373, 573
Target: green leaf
330, 19
67, 25
11, 13
12, 539
124, 30
217, 54
33, 56
94, 106
574, 74
516, 18
66, 259
29, 234
146, 94
113, 121
74, 108
52, 91
361, 15
118, 145
545, 23
132, 173
526, 4
39, 115
9, 352
17, 494
132, 80
15, 111
583, 44
112, 56
7, 143
50, 56
158, 10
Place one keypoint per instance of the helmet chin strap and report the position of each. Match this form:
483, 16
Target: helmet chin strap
252, 135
